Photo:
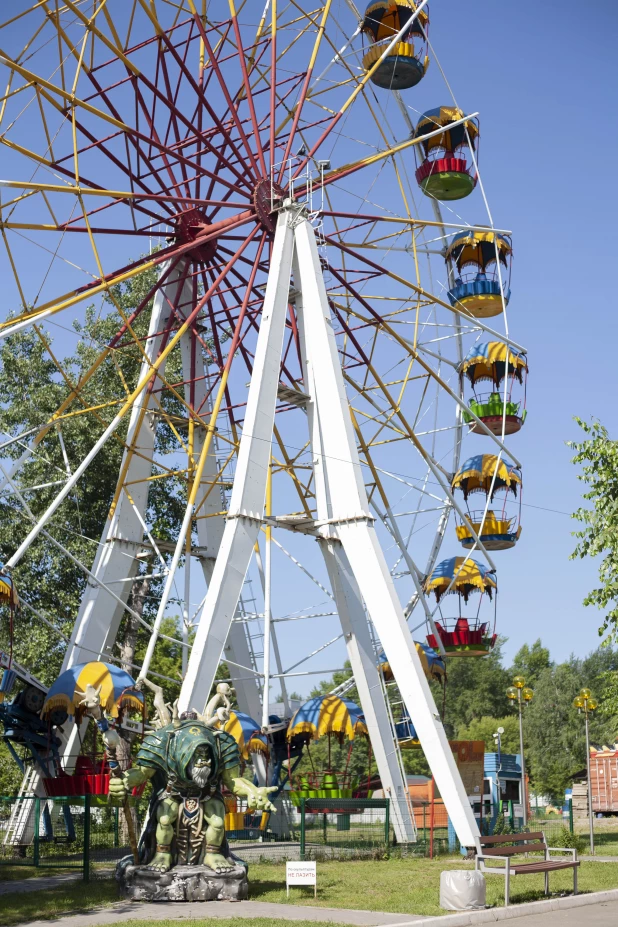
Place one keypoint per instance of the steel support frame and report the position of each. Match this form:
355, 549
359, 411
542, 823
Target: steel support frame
98, 620
349, 530
99, 617
310, 300
246, 510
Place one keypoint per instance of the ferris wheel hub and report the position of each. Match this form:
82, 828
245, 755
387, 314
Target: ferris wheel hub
266, 196
191, 225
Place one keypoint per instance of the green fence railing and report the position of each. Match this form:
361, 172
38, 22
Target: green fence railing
344, 827
70, 833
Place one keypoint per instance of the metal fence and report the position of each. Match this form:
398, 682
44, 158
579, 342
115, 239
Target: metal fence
87, 834
82, 833
344, 828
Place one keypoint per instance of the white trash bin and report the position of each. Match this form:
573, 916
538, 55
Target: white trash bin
462, 890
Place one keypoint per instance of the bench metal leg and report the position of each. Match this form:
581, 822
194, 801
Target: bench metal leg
547, 883
507, 883
575, 880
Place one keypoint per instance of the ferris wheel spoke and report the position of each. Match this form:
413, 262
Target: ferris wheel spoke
100, 285
298, 108
243, 311
247, 89
214, 64
126, 406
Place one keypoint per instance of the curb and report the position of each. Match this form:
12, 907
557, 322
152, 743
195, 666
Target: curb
466, 918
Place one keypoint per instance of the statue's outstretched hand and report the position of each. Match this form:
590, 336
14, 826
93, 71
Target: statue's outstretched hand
261, 799
257, 796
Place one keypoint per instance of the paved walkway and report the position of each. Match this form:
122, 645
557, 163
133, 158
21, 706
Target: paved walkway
603, 914
592, 915
217, 909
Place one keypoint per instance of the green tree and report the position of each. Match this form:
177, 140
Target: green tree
530, 661
33, 384
554, 732
598, 457
485, 728
475, 689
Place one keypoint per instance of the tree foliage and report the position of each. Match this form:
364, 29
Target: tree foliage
33, 385
485, 728
530, 661
598, 457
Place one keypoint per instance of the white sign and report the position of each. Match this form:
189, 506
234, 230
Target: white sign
301, 874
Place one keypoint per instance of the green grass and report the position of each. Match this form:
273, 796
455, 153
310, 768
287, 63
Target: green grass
18, 873
74, 898
411, 886
405, 886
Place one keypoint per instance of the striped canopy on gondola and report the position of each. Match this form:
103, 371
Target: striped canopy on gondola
117, 693
247, 734
328, 714
385, 18
450, 139
488, 362
486, 473
477, 246
8, 592
463, 576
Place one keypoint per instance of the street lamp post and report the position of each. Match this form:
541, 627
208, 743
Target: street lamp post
585, 703
522, 694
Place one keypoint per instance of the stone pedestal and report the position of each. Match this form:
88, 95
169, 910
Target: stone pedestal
182, 883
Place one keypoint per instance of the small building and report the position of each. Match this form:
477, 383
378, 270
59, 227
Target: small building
603, 783
502, 787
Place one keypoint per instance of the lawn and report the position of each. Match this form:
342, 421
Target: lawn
73, 898
17, 873
412, 886
399, 886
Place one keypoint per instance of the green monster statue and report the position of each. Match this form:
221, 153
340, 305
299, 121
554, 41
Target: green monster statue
187, 762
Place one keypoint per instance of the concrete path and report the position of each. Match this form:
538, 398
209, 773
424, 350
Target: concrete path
593, 915
160, 911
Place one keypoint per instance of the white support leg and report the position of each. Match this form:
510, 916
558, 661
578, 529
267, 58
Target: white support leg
345, 589
362, 657
350, 518
246, 510
210, 525
99, 616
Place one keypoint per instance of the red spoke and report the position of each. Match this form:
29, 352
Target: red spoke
248, 93
232, 109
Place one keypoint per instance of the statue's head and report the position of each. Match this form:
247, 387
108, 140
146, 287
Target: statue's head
189, 716
201, 765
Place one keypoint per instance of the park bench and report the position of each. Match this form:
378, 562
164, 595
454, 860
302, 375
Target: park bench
492, 849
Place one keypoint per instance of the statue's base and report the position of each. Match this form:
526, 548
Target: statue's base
182, 883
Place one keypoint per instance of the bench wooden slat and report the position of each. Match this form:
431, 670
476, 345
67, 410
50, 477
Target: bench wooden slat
544, 866
514, 851
511, 838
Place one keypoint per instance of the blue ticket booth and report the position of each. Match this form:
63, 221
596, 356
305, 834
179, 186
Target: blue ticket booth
502, 788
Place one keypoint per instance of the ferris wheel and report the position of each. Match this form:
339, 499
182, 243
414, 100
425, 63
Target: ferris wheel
292, 369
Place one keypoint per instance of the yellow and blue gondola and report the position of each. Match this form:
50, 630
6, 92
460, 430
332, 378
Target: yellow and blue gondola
498, 410
479, 288
407, 61
462, 635
489, 475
